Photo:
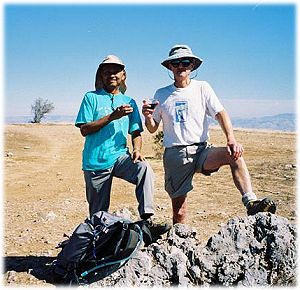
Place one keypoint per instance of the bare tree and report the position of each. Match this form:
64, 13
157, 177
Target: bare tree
41, 107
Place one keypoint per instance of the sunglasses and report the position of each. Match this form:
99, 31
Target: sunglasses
183, 62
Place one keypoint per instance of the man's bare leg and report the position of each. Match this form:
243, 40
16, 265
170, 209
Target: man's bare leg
179, 205
218, 157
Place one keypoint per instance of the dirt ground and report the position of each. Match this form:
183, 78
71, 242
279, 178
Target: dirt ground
44, 191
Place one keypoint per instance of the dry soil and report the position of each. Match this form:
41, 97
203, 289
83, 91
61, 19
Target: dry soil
44, 191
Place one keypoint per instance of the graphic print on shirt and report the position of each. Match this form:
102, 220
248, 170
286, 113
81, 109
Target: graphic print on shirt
181, 110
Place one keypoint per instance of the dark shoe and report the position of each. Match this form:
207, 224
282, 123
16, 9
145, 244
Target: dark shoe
261, 205
158, 229
151, 231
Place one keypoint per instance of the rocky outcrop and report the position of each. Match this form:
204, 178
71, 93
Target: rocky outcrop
248, 251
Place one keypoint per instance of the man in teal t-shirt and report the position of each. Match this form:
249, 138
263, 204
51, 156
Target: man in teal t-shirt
106, 116
103, 147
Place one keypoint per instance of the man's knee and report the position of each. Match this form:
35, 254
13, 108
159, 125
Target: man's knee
238, 163
144, 167
144, 173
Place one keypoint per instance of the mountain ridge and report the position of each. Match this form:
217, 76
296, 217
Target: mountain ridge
281, 122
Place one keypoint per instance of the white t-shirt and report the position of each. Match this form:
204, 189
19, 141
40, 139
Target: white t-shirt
184, 112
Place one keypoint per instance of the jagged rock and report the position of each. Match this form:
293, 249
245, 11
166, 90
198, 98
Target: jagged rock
46, 216
248, 251
124, 213
11, 276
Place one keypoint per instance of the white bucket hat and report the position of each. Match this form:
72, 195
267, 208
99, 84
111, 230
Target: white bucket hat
110, 59
182, 51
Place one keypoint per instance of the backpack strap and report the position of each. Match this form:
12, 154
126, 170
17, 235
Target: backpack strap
120, 261
124, 229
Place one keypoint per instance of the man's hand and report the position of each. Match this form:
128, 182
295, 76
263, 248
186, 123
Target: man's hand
150, 123
235, 149
137, 156
121, 111
146, 109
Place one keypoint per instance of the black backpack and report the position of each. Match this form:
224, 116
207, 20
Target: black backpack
98, 247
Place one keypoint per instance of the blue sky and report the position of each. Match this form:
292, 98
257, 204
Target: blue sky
53, 51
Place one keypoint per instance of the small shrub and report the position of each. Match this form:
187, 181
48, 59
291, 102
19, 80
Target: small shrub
39, 108
158, 144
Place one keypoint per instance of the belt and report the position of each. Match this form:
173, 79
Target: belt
198, 144
194, 144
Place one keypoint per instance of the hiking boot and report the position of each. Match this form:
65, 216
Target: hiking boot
158, 229
261, 205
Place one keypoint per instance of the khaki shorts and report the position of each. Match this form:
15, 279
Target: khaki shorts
180, 165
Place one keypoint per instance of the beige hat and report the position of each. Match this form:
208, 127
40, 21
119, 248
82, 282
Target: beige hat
110, 59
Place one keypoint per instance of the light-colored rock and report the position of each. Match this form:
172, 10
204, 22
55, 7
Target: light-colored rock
257, 250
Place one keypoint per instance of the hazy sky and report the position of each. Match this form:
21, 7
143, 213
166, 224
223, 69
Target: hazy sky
53, 51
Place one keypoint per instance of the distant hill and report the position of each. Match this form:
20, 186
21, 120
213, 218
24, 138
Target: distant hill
282, 122
48, 119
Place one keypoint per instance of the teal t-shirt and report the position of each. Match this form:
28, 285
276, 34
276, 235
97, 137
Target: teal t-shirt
104, 147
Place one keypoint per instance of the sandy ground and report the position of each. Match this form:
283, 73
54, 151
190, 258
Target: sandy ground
44, 191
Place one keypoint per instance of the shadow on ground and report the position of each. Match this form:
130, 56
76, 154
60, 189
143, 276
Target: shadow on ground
38, 266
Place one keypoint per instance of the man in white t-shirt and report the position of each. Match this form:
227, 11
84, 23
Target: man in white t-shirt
184, 107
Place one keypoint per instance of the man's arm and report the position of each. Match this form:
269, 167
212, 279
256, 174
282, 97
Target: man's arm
136, 140
92, 127
234, 149
151, 124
